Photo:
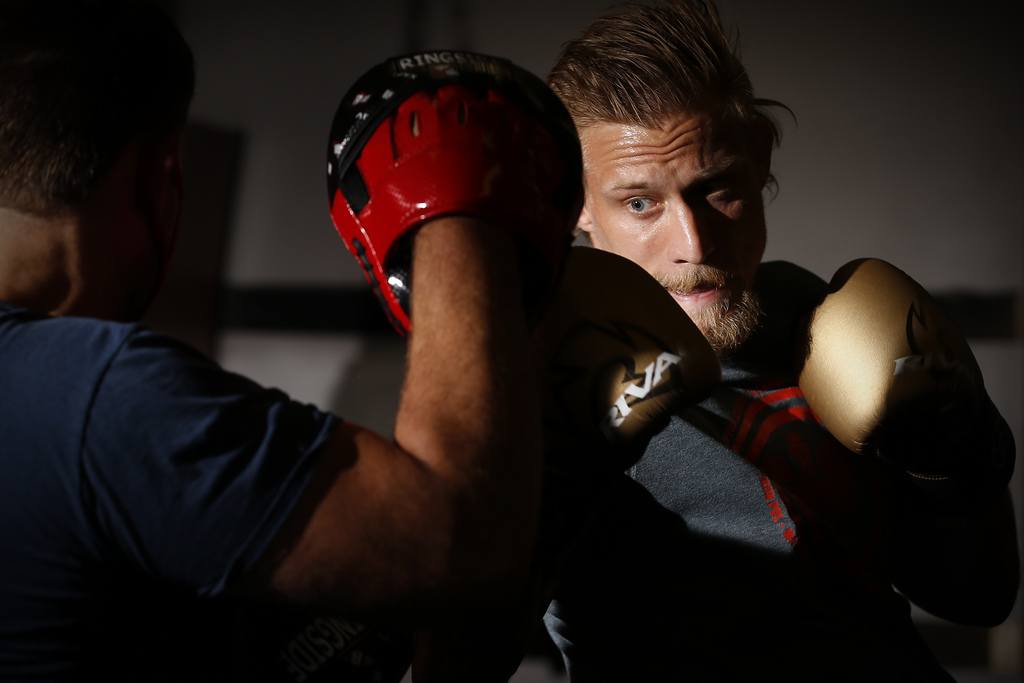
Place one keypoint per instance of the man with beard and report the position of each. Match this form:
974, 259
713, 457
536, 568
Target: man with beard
748, 542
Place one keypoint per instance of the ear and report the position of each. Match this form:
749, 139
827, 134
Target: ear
161, 190
585, 223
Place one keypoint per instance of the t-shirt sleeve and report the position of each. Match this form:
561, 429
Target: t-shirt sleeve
188, 470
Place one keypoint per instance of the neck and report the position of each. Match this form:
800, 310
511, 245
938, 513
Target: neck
39, 265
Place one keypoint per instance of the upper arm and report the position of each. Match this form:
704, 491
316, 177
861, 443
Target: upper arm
373, 531
188, 470
204, 479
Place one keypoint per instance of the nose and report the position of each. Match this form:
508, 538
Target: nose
691, 240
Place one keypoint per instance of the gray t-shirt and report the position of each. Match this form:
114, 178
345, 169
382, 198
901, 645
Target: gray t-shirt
746, 543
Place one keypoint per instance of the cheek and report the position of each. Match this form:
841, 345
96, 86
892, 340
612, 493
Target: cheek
750, 249
738, 242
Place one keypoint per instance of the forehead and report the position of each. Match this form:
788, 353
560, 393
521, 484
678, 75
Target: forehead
690, 143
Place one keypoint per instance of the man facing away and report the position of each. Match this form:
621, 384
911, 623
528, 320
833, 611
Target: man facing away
142, 487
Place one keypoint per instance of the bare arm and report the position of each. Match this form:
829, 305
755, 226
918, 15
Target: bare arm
448, 510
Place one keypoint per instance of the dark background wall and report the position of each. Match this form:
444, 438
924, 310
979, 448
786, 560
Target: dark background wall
907, 145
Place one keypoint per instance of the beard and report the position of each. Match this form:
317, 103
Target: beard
731, 319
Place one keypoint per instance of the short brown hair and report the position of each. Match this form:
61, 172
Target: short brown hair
641, 64
79, 80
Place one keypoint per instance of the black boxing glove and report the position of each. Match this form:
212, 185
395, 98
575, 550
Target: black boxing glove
450, 133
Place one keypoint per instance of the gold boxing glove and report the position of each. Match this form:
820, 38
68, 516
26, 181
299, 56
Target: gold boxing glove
620, 357
886, 372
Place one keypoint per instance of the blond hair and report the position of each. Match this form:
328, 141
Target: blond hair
642, 64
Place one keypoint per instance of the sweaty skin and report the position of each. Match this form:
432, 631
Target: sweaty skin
107, 257
681, 200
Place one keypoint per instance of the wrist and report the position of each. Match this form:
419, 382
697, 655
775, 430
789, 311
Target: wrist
953, 447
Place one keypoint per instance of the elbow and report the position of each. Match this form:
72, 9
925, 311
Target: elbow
481, 551
485, 504
997, 603
985, 613
986, 605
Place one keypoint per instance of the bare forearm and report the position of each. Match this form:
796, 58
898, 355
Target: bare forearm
447, 513
468, 409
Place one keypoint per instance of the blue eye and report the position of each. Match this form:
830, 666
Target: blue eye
639, 204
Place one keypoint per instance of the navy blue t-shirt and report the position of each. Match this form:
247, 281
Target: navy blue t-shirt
138, 480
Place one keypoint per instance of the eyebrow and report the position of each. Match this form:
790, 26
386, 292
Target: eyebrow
727, 166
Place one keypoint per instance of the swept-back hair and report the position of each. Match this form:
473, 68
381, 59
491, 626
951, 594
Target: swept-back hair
79, 80
641, 64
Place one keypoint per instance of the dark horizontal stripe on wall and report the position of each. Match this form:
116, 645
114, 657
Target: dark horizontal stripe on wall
355, 310
303, 309
982, 316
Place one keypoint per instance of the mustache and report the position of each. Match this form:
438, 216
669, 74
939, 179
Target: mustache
694, 278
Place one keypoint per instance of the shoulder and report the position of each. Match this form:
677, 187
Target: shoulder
50, 369
64, 358
28, 337
51, 366
785, 287
787, 293
178, 452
